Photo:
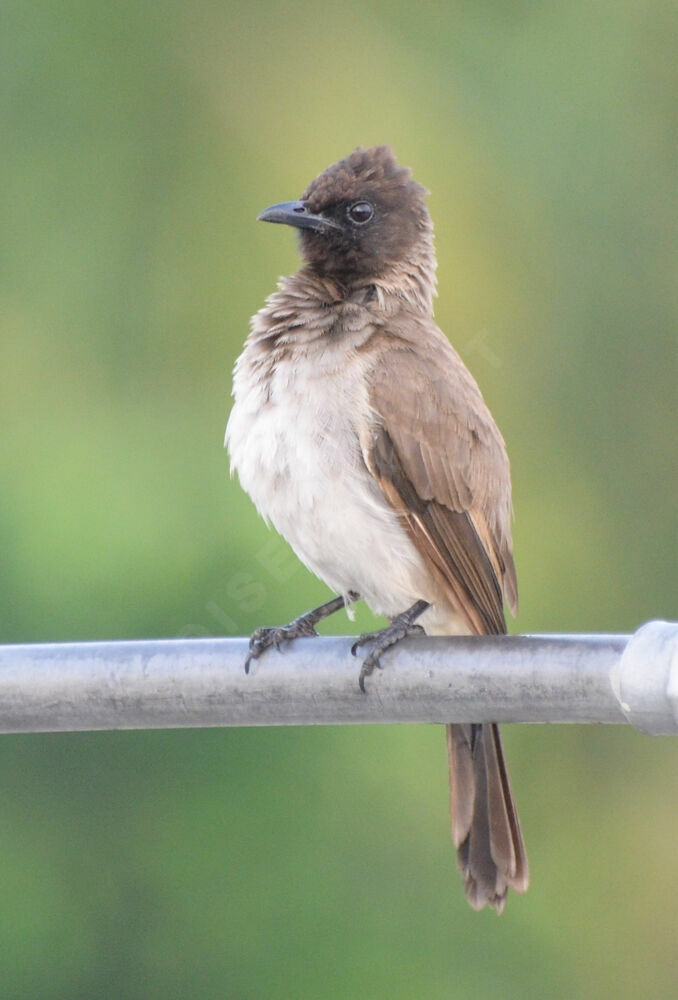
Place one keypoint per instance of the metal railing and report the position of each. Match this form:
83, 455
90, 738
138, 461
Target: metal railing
201, 682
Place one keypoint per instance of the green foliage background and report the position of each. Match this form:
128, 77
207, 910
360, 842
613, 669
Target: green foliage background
139, 141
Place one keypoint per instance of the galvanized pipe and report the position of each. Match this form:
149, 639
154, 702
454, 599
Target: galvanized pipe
201, 682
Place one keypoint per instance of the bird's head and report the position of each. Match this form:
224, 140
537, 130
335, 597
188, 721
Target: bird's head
360, 219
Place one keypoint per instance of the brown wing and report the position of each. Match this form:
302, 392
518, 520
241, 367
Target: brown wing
440, 460
438, 457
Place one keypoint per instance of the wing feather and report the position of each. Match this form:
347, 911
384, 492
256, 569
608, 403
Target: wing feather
440, 460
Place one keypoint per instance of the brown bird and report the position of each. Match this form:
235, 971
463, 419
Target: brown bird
358, 431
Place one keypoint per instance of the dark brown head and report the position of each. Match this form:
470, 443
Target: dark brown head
360, 218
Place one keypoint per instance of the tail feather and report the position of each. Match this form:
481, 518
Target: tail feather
485, 826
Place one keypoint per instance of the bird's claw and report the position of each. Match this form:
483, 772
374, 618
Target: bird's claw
383, 640
372, 661
370, 664
266, 636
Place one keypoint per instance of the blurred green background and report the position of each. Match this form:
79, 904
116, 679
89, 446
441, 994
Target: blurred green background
139, 141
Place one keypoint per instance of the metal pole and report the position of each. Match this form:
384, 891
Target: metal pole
201, 682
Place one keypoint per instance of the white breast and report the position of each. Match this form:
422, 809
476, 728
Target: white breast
293, 440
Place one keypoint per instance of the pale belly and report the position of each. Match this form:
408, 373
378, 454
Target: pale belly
302, 465
295, 447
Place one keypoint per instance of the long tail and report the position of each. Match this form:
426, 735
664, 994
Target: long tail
485, 827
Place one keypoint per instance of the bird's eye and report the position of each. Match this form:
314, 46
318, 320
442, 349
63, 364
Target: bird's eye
360, 212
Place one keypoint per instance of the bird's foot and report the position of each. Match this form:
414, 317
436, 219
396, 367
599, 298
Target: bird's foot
401, 626
266, 636
302, 627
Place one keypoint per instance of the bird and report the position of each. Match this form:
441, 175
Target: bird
360, 434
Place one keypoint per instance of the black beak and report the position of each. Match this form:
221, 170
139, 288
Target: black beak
296, 213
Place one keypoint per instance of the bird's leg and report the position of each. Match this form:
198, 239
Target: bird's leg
304, 625
401, 626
